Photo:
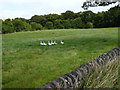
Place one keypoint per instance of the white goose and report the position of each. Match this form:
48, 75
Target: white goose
44, 44
62, 42
41, 43
52, 42
55, 43
49, 43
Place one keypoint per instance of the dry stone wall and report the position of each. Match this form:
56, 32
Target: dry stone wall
78, 77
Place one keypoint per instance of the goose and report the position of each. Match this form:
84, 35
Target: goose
44, 44
49, 43
41, 43
62, 42
52, 42
55, 43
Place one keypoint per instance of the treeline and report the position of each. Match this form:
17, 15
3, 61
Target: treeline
67, 20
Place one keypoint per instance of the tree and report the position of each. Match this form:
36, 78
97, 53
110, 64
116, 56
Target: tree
68, 15
114, 15
89, 25
39, 19
68, 19
87, 16
20, 25
66, 24
109, 18
1, 26
36, 26
49, 25
58, 24
28, 27
95, 3
7, 26
52, 17
98, 20
23, 19
77, 23
78, 15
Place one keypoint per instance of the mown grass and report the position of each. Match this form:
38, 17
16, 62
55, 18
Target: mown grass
26, 64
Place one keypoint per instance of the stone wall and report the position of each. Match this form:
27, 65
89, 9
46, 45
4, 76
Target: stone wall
78, 77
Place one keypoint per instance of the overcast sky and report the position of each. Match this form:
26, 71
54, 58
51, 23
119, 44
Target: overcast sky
28, 8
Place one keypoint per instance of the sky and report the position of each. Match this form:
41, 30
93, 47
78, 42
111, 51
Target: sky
28, 8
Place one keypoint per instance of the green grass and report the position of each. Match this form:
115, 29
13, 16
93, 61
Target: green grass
105, 77
26, 64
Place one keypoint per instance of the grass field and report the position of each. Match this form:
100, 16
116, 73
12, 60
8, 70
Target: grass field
26, 64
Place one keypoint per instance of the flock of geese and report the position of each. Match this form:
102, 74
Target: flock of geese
50, 43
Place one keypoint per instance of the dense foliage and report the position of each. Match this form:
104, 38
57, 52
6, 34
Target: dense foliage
95, 3
65, 20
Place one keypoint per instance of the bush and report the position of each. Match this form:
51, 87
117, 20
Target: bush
20, 25
77, 23
58, 24
28, 27
89, 25
66, 24
7, 26
36, 26
49, 25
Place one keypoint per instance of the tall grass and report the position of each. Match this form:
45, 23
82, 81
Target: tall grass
105, 77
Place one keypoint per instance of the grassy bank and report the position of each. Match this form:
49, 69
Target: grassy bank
27, 64
105, 77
